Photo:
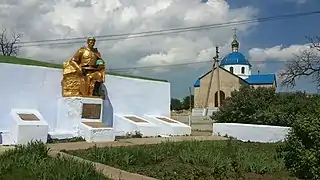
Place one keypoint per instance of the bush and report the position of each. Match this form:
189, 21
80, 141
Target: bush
301, 150
264, 106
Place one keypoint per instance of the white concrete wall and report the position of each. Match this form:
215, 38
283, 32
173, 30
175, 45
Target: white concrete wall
31, 87
251, 132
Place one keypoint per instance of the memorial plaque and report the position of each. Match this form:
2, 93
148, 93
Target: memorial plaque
135, 119
166, 120
91, 111
95, 124
28, 117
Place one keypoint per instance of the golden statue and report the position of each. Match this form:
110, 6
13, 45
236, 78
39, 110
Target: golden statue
84, 73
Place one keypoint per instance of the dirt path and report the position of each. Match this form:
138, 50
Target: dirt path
128, 142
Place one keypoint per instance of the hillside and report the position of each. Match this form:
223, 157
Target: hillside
30, 62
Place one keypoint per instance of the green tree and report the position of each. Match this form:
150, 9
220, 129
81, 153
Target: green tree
186, 102
301, 150
263, 106
175, 104
245, 106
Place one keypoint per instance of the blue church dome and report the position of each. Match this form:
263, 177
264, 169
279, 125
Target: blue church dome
234, 58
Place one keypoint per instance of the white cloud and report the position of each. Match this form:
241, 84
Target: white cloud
40, 20
275, 53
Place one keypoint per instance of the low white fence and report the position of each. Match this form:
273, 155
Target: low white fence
251, 132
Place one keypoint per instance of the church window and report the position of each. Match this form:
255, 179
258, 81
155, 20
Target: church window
242, 70
231, 69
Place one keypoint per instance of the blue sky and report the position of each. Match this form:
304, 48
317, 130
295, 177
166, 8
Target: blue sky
65, 19
285, 32
268, 34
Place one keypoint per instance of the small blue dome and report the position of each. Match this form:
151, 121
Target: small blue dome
234, 58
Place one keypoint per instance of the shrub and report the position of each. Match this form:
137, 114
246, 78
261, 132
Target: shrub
301, 150
264, 106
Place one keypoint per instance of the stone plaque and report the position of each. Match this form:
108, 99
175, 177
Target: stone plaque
91, 111
166, 120
135, 119
28, 117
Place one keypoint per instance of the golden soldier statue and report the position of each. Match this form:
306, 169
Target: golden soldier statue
84, 73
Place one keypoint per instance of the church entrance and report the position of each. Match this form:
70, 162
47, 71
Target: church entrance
222, 98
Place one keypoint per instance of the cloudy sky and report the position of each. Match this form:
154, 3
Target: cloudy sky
266, 44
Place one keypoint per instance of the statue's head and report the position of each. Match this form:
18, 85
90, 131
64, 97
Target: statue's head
91, 41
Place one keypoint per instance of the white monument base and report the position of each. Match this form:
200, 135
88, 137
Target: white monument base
96, 132
168, 126
28, 125
5, 138
251, 132
132, 124
71, 114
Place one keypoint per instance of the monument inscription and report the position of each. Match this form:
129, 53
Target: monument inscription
135, 119
28, 117
91, 111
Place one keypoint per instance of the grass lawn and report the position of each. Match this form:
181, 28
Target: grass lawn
23, 61
32, 162
203, 160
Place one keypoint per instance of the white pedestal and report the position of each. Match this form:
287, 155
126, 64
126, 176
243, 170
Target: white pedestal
96, 132
251, 132
168, 126
70, 113
28, 125
124, 125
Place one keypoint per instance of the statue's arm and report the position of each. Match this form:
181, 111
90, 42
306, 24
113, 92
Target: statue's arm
76, 60
98, 54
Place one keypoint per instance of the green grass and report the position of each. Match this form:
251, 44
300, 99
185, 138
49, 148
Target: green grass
194, 160
32, 162
23, 61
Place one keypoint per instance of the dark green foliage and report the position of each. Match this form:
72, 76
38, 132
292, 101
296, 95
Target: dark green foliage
265, 106
176, 104
32, 162
301, 151
184, 104
193, 160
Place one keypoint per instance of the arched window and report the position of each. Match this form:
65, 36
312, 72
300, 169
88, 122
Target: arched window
242, 70
231, 69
